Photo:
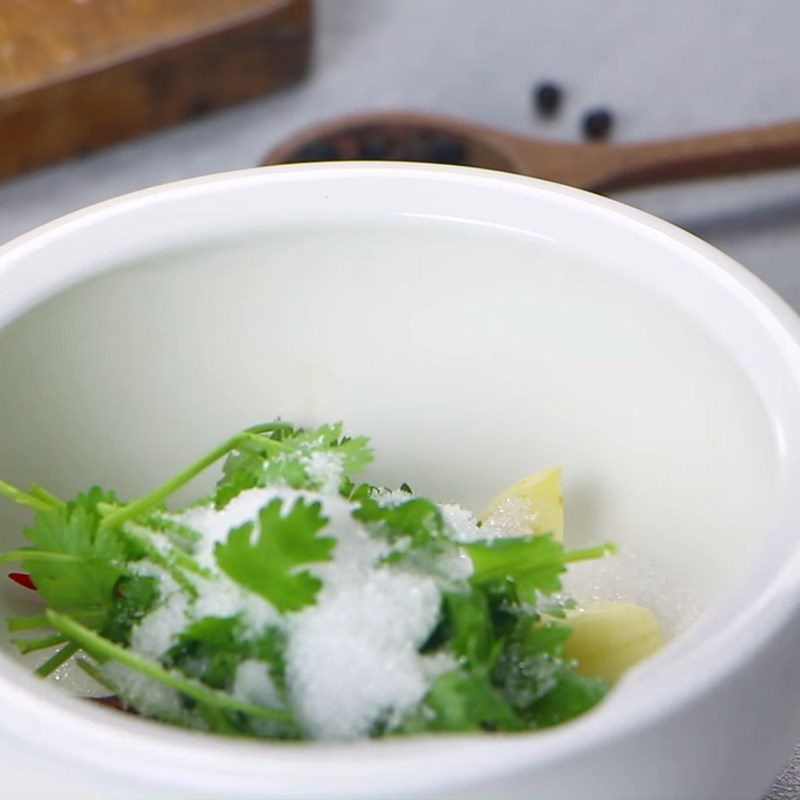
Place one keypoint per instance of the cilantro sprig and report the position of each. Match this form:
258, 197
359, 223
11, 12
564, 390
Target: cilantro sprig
265, 557
102, 566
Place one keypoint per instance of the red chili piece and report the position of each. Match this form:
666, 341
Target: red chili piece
23, 579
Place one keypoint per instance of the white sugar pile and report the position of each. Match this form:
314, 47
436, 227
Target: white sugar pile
513, 517
254, 684
352, 658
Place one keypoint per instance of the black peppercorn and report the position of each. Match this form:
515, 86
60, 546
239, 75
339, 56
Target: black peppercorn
597, 123
547, 98
375, 149
447, 151
321, 150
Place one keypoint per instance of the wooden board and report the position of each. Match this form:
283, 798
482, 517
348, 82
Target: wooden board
79, 74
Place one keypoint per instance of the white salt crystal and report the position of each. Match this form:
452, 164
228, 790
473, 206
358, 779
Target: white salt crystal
254, 684
391, 497
453, 566
149, 569
223, 597
155, 633
148, 696
325, 469
462, 523
436, 664
353, 656
515, 516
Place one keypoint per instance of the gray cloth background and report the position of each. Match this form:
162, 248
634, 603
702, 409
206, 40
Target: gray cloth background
666, 69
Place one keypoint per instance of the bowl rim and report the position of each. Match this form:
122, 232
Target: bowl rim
479, 757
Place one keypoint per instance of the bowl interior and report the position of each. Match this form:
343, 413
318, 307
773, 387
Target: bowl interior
471, 357
472, 352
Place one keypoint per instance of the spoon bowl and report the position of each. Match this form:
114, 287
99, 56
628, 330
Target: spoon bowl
598, 166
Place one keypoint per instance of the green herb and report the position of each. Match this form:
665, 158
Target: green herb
418, 520
469, 630
462, 701
102, 649
212, 648
285, 458
75, 563
529, 564
104, 567
265, 559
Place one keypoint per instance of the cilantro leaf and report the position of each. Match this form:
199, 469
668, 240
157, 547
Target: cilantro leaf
134, 596
87, 582
242, 470
356, 453
463, 701
292, 457
468, 627
525, 567
530, 563
266, 560
212, 647
536, 681
76, 529
572, 695
418, 519
529, 665
209, 649
508, 670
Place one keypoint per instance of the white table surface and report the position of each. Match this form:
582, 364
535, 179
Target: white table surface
664, 69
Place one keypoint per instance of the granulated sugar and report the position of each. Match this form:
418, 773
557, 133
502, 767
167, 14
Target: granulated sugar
352, 657
147, 695
513, 515
156, 631
254, 684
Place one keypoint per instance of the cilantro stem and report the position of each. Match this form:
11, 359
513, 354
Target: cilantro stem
95, 674
32, 621
27, 623
24, 498
168, 526
56, 660
147, 501
588, 553
99, 646
265, 444
184, 560
38, 555
269, 427
31, 645
156, 556
37, 490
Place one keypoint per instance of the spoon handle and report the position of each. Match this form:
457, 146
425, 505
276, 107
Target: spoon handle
735, 152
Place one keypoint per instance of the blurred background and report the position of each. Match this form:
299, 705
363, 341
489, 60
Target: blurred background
662, 69
659, 69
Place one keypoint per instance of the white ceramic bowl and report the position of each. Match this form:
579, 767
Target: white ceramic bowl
478, 326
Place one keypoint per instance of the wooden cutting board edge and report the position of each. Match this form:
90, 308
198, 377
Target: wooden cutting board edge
150, 88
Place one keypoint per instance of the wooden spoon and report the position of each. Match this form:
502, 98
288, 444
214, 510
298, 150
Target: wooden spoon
597, 166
